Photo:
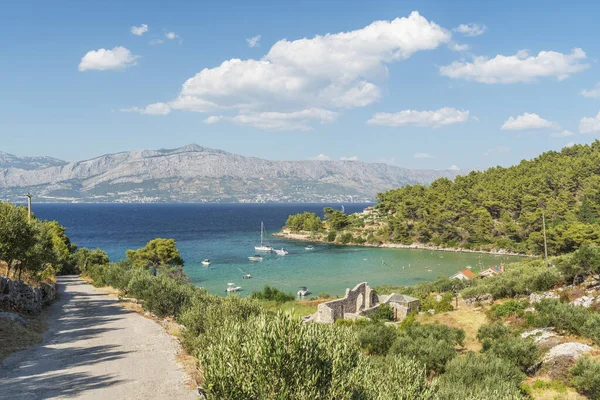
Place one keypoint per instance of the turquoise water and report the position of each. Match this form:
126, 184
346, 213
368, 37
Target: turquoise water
226, 234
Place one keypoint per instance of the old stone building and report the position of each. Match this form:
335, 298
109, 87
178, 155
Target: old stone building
360, 301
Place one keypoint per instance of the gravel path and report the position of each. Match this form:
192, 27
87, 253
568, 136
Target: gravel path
95, 349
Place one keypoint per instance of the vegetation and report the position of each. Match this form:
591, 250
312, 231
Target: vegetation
158, 253
306, 222
586, 377
502, 342
273, 294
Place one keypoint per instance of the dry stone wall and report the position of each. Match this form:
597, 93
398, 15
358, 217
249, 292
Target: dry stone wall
17, 295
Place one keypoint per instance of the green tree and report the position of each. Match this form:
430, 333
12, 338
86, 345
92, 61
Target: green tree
158, 253
84, 257
16, 235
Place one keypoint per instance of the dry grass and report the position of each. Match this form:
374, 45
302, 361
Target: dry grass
553, 390
15, 337
467, 318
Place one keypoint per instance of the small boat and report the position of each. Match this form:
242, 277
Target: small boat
309, 247
247, 276
302, 291
206, 261
255, 257
231, 287
261, 246
282, 252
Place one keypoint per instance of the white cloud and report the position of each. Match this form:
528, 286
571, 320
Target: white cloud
291, 121
518, 68
103, 59
332, 71
570, 144
171, 35
254, 41
433, 118
527, 121
460, 47
562, 134
321, 157
423, 155
351, 158
139, 30
156, 41
471, 29
151, 109
590, 124
454, 168
594, 92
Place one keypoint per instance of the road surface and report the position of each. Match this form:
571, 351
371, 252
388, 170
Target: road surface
95, 349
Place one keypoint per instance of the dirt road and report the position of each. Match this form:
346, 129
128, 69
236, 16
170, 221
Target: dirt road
95, 349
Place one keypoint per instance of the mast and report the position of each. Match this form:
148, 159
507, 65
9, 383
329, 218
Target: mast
28, 195
262, 228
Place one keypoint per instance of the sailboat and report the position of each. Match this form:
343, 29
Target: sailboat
262, 247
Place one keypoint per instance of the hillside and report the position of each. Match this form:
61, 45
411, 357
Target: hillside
197, 174
500, 208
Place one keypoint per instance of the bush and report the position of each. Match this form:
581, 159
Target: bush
347, 238
273, 294
431, 344
586, 377
383, 313
522, 352
331, 236
431, 303
492, 332
376, 338
480, 376
509, 308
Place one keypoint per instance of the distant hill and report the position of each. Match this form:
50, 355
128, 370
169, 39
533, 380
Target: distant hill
197, 174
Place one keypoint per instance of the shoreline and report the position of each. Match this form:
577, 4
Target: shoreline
305, 237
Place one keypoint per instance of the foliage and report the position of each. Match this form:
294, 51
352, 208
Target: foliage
500, 341
383, 313
269, 293
586, 377
480, 377
84, 257
580, 264
444, 305
158, 253
508, 308
431, 344
305, 222
335, 219
376, 338
567, 318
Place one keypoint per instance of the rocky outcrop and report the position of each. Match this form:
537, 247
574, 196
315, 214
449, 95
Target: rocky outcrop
195, 173
17, 295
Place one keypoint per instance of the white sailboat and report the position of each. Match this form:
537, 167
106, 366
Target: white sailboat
262, 247
282, 252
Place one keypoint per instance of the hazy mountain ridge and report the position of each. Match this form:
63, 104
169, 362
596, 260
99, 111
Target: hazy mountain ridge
196, 174
28, 163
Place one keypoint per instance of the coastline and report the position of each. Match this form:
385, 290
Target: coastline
305, 237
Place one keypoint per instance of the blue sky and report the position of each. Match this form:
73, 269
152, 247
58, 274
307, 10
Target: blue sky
411, 89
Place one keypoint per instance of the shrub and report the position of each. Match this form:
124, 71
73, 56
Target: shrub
492, 332
376, 338
431, 344
563, 316
509, 308
586, 377
273, 294
331, 236
431, 303
383, 313
347, 238
480, 376
522, 352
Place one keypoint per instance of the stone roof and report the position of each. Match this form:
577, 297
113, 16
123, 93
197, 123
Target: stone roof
398, 298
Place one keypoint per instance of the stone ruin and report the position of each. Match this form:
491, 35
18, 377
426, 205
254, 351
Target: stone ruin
19, 296
360, 301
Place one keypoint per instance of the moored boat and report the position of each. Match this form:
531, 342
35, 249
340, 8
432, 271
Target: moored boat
302, 291
262, 247
282, 252
232, 287
309, 247
255, 257
206, 261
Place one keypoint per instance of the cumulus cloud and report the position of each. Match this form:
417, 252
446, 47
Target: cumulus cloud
253, 41
562, 134
171, 35
527, 121
321, 157
151, 109
590, 124
332, 71
423, 155
454, 168
290, 121
433, 118
103, 59
471, 29
139, 30
351, 158
521, 67
594, 92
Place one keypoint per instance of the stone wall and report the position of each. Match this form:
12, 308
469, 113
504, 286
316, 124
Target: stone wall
17, 295
357, 299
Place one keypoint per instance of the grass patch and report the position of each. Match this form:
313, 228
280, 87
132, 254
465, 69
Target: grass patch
295, 308
15, 337
544, 388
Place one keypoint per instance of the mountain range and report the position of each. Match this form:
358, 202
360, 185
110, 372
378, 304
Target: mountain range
197, 174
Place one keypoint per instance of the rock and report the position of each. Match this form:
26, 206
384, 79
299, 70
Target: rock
13, 317
539, 335
20, 296
572, 350
585, 301
537, 297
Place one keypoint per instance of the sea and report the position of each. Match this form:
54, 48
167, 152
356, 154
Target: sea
227, 233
